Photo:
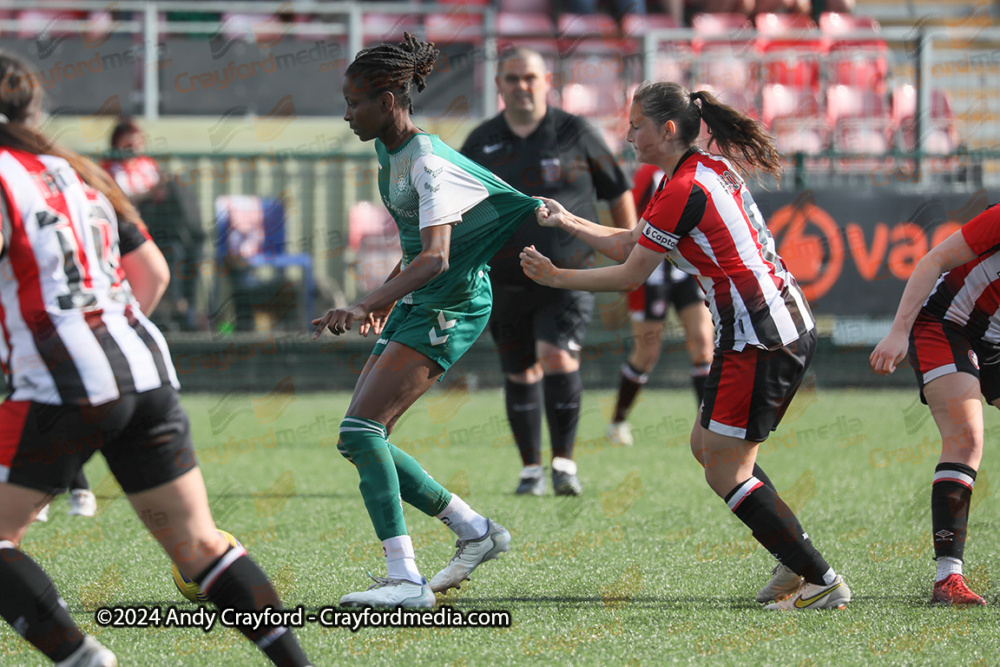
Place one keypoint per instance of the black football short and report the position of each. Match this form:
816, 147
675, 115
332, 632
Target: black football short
748, 391
145, 438
524, 315
666, 285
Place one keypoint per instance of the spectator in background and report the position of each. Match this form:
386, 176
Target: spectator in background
539, 331
171, 215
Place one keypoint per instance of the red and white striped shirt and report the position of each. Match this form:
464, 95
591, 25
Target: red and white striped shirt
706, 221
136, 176
72, 333
969, 295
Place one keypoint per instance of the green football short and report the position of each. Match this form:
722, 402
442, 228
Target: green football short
441, 334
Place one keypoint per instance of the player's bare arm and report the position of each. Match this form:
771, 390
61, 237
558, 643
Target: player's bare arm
611, 242
429, 264
891, 350
618, 278
148, 275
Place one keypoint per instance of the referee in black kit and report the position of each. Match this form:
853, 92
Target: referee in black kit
538, 330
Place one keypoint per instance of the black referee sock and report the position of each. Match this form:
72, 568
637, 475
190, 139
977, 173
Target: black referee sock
775, 526
30, 603
236, 582
631, 384
562, 409
79, 481
951, 494
524, 412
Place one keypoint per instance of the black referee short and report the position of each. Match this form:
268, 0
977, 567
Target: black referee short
524, 315
145, 438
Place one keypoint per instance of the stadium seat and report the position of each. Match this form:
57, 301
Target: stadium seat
375, 241
780, 101
40, 23
789, 55
388, 27
856, 53
634, 25
855, 102
456, 27
250, 230
941, 133
518, 24
588, 33
726, 32
526, 6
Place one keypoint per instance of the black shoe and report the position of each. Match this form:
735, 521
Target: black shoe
532, 484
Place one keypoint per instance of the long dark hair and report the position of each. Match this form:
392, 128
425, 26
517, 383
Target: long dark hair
21, 103
738, 137
395, 68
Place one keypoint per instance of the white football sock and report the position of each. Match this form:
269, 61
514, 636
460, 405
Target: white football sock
829, 576
464, 521
946, 566
400, 560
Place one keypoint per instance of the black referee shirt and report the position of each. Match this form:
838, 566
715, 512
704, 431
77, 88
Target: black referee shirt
565, 159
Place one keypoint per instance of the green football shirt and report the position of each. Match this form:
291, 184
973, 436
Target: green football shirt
424, 183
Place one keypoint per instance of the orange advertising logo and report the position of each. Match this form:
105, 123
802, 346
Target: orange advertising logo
817, 249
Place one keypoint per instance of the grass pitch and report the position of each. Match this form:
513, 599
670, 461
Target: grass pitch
647, 567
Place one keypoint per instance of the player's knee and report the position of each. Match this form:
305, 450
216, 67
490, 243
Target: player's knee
343, 451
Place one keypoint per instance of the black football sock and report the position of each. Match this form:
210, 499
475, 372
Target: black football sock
774, 525
524, 412
759, 473
236, 582
79, 481
631, 384
951, 493
699, 374
562, 409
30, 603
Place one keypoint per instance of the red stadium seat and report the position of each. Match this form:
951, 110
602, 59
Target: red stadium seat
724, 32
40, 23
517, 24
526, 6
853, 102
634, 25
790, 56
388, 27
597, 33
834, 24
456, 27
780, 101
941, 132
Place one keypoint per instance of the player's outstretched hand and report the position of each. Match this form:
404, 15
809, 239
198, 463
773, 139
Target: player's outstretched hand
538, 267
376, 320
339, 320
890, 351
551, 213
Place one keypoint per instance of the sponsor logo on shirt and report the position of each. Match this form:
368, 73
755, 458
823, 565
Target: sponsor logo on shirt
662, 239
492, 148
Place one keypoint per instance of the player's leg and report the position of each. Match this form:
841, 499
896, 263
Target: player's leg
950, 381
648, 337
699, 334
560, 325
32, 436
746, 395
167, 492
512, 330
82, 501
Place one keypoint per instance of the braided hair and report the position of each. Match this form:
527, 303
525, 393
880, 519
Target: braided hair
395, 68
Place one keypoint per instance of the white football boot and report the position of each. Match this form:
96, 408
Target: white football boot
816, 596
391, 593
82, 502
470, 554
783, 583
91, 654
620, 434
